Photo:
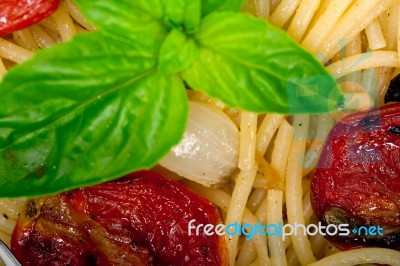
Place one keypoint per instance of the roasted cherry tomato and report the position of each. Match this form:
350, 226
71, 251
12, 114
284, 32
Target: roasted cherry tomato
357, 180
141, 219
19, 14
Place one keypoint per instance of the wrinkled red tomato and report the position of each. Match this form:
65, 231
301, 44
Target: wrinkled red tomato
141, 219
357, 180
19, 14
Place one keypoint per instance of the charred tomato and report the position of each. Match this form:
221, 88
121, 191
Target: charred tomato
357, 180
141, 219
19, 14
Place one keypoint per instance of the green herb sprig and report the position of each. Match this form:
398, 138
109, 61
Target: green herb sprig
113, 101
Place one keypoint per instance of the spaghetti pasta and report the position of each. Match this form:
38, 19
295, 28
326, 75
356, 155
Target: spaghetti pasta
245, 178
42, 38
375, 35
294, 190
266, 131
282, 145
361, 256
352, 81
325, 123
274, 216
25, 39
359, 15
364, 61
283, 12
324, 24
64, 24
302, 19
13, 52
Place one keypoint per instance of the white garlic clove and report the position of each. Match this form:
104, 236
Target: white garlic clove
208, 152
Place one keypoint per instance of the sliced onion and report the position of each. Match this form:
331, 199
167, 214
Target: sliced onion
208, 152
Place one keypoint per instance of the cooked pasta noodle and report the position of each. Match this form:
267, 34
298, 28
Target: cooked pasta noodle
245, 178
274, 216
42, 38
364, 61
263, 8
25, 39
248, 253
307, 208
9, 211
282, 146
283, 12
375, 35
302, 19
256, 198
352, 81
392, 25
77, 16
325, 123
324, 24
294, 189
383, 77
359, 42
291, 257
319, 244
64, 24
49, 24
13, 52
359, 15
266, 131
360, 256
369, 83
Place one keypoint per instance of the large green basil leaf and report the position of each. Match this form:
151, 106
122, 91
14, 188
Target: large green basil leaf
249, 64
209, 6
85, 112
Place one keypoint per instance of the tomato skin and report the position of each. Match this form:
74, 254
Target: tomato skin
19, 14
357, 180
142, 214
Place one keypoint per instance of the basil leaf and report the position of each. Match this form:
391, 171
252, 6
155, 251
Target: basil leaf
209, 6
232, 5
127, 20
85, 66
87, 112
184, 15
249, 64
177, 53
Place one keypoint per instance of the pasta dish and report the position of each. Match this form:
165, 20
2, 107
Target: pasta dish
292, 125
